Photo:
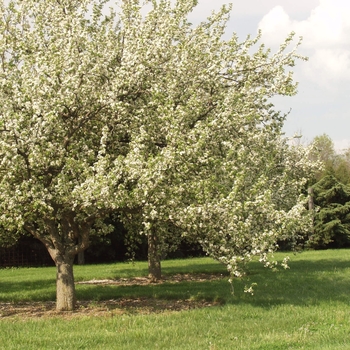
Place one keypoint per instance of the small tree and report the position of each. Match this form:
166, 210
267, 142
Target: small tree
162, 237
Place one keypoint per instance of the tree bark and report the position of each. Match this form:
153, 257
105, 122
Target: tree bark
154, 265
81, 254
65, 288
81, 258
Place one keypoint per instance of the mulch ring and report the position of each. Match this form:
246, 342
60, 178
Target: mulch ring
110, 308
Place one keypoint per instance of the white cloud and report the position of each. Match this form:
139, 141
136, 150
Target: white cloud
257, 7
328, 24
329, 65
276, 25
251, 9
325, 34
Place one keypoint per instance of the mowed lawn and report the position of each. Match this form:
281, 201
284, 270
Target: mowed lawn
304, 307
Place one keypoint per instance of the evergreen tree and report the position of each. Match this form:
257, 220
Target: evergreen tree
332, 220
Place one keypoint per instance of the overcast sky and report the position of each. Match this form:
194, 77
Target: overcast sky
322, 104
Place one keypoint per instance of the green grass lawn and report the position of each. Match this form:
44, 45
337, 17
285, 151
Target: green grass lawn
304, 307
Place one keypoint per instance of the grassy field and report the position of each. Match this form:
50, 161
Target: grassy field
304, 307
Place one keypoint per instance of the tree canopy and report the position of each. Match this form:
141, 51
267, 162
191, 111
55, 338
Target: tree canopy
145, 115
335, 163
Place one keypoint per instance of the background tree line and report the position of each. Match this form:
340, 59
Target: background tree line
331, 196
115, 246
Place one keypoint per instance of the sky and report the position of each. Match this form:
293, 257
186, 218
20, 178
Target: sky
322, 105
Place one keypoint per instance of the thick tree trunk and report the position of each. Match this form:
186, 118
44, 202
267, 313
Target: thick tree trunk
64, 241
154, 266
65, 288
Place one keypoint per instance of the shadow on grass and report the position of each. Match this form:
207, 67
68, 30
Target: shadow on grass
305, 283
36, 290
308, 282
213, 268
197, 291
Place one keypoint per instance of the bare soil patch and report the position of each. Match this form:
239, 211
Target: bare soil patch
110, 308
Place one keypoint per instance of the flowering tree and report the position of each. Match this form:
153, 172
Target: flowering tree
144, 115
59, 175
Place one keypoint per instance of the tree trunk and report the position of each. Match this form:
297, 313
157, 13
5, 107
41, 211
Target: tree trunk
81, 254
64, 241
154, 266
81, 258
65, 291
